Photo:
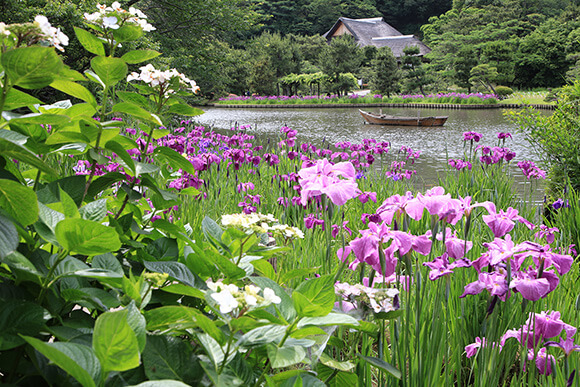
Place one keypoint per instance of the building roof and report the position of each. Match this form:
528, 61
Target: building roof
398, 44
375, 32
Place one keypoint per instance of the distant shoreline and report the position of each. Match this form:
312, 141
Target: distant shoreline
386, 105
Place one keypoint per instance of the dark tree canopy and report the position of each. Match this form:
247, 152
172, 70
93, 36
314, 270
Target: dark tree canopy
385, 76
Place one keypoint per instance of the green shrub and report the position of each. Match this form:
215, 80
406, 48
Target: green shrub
503, 91
473, 101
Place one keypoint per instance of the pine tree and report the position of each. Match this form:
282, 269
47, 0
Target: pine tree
386, 75
415, 75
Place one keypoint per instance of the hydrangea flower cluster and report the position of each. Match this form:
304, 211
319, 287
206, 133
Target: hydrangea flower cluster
260, 223
39, 31
230, 298
162, 79
360, 297
54, 36
113, 17
3, 30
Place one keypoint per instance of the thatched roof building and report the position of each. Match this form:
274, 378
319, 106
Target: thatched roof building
377, 33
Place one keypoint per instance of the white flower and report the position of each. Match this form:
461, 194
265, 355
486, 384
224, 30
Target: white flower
136, 12
225, 300
145, 26
133, 76
214, 285
43, 24
3, 30
92, 17
110, 22
116, 6
250, 300
53, 35
271, 297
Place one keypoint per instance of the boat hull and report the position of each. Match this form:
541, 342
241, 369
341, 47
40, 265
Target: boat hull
383, 119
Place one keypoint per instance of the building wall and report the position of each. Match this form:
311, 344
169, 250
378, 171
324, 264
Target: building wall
341, 30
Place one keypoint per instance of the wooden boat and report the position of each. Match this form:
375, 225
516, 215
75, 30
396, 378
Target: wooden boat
383, 119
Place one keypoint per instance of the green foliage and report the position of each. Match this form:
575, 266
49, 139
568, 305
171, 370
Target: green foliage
511, 35
415, 74
484, 75
125, 298
315, 17
464, 62
503, 91
542, 56
557, 137
385, 72
342, 55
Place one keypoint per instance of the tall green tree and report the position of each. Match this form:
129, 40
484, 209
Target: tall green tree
484, 75
282, 54
416, 77
500, 54
541, 59
285, 16
342, 55
263, 77
386, 75
465, 60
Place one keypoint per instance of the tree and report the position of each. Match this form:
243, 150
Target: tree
236, 70
285, 16
281, 53
415, 74
189, 33
466, 60
408, 15
386, 75
541, 58
263, 77
500, 54
342, 55
485, 75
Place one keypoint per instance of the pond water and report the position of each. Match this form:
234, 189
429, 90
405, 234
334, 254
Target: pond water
437, 144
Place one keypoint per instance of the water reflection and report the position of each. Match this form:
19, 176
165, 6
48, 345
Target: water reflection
437, 144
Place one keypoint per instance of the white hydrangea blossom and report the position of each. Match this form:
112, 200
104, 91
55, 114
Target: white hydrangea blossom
3, 30
257, 222
271, 297
54, 36
114, 17
379, 300
158, 78
232, 299
225, 300
287, 231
